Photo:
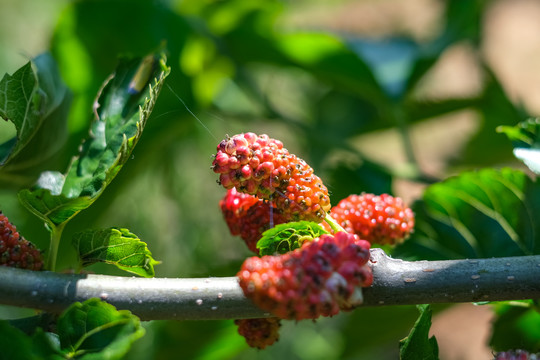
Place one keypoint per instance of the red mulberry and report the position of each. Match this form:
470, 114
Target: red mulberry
319, 279
249, 217
261, 166
259, 333
16, 251
378, 219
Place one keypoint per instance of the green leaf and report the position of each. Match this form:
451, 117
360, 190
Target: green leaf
526, 142
488, 213
516, 327
36, 103
47, 345
96, 330
115, 246
418, 345
14, 343
286, 237
121, 115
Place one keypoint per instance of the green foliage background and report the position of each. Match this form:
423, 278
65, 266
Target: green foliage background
240, 66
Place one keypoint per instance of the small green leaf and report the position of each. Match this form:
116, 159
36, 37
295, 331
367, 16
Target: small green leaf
418, 345
96, 330
121, 115
14, 343
525, 138
516, 326
478, 214
47, 345
115, 246
287, 237
36, 103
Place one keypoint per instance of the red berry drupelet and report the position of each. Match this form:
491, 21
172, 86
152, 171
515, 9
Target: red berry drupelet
261, 166
249, 217
259, 333
321, 278
234, 207
381, 219
16, 251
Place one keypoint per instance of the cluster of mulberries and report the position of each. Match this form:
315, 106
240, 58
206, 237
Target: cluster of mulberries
259, 333
381, 219
319, 279
15, 250
516, 355
248, 216
261, 166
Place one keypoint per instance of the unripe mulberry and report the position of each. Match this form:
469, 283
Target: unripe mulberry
382, 219
261, 166
16, 251
259, 333
321, 278
248, 216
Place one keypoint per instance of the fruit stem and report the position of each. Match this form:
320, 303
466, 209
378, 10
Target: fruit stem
56, 234
333, 223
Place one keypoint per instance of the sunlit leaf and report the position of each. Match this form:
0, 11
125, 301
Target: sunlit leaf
479, 214
96, 330
117, 247
286, 237
418, 345
526, 142
121, 115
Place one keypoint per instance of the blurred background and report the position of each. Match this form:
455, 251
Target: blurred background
377, 96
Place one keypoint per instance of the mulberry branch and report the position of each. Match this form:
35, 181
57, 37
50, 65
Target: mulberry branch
396, 282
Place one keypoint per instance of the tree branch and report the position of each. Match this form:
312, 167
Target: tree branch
396, 282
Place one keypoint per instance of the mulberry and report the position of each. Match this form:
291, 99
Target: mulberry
321, 278
15, 250
259, 333
378, 219
249, 217
261, 166
516, 355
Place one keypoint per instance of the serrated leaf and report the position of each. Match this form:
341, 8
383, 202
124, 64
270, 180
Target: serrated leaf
418, 345
96, 330
526, 142
115, 246
488, 213
121, 115
289, 236
36, 103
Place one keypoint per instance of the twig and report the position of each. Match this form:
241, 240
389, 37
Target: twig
396, 282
